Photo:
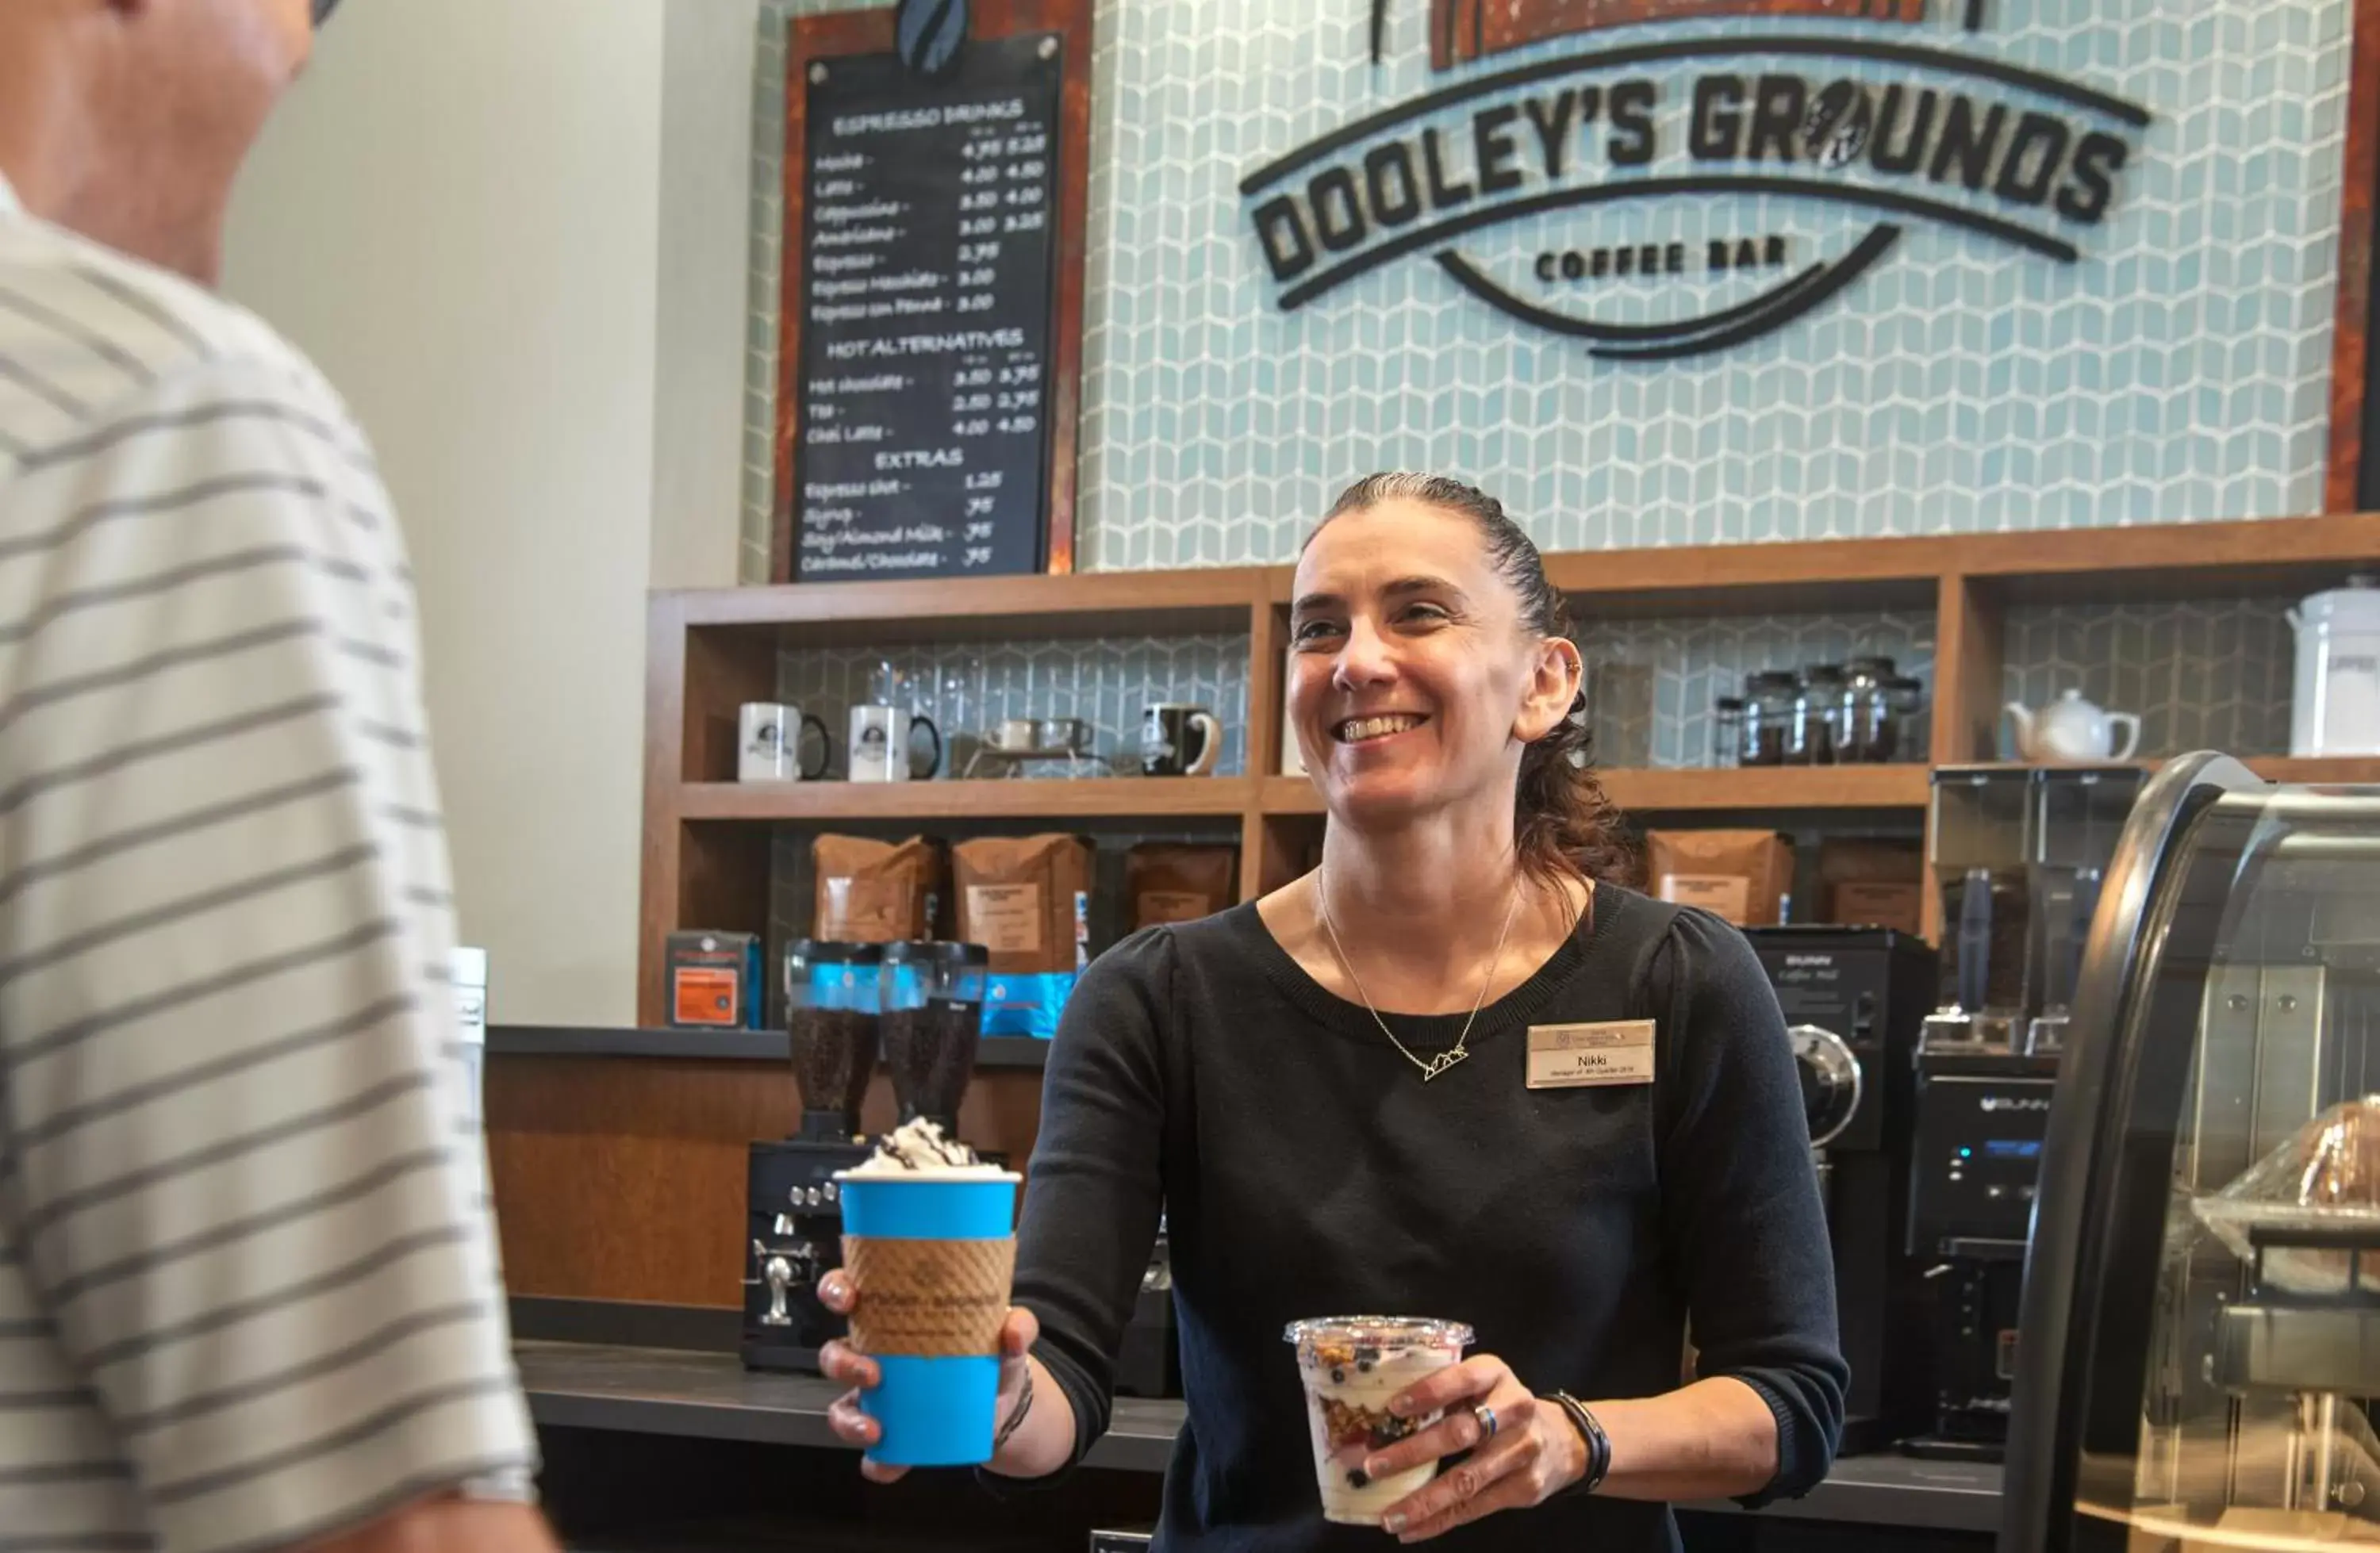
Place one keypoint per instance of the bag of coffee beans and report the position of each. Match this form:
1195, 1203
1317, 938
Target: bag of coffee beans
1027, 898
873, 892
1873, 882
1168, 881
1744, 877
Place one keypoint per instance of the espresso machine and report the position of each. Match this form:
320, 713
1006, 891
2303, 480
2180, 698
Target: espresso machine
1855, 998
918, 1004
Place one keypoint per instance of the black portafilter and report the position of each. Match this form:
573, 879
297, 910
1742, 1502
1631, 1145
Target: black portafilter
830, 1031
933, 1020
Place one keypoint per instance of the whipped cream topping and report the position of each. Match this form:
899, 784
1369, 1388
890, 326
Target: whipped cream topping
918, 1148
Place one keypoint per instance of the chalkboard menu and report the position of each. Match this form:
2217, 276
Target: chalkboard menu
928, 245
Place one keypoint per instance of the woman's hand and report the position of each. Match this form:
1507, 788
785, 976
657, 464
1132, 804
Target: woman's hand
838, 1361
1534, 1453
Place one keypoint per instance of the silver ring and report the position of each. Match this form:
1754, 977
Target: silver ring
1485, 1417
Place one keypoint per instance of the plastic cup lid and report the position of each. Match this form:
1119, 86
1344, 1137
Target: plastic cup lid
1382, 1331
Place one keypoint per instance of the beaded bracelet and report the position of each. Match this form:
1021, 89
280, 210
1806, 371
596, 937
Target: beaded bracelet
1598, 1444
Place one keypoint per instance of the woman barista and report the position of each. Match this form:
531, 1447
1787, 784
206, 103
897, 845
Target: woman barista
1327, 1090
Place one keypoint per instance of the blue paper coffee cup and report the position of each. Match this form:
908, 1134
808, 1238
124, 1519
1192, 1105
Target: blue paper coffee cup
930, 1254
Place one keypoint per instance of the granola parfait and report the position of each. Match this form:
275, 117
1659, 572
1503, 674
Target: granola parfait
1352, 1366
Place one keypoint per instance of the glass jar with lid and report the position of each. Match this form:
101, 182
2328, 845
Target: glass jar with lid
1727, 730
1768, 700
1816, 730
1867, 726
1911, 733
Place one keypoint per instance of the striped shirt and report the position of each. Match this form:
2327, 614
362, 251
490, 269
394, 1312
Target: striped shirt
248, 1290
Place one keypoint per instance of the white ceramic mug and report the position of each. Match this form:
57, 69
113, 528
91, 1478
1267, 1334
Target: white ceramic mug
768, 743
883, 745
1166, 727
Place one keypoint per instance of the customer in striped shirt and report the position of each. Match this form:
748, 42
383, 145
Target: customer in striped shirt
248, 1291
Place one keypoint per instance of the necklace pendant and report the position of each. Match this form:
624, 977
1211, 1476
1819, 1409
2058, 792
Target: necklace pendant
1442, 1061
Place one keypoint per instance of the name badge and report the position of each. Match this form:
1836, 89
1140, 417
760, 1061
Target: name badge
1581, 1056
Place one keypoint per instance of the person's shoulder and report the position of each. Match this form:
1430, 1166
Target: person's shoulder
1150, 958
1679, 947
95, 337
1222, 932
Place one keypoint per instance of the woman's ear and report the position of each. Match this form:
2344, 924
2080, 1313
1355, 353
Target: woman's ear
1556, 685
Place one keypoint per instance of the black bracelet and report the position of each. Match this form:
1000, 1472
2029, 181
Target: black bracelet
1024, 1406
1598, 1444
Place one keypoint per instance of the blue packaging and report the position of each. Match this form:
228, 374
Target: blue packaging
1027, 1003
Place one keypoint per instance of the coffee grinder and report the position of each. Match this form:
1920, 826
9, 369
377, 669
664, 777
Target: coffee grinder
1980, 835
1971, 1188
933, 1022
1855, 998
2019, 854
921, 1004
794, 1220
1982, 1115
2078, 812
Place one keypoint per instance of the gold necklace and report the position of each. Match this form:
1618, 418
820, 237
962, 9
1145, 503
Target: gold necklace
1435, 1066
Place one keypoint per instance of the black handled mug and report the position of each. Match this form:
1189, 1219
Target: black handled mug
769, 741
878, 732
1166, 729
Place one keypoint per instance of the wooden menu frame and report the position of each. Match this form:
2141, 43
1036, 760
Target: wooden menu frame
2351, 351
843, 34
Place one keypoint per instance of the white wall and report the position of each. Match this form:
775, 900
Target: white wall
706, 203
459, 214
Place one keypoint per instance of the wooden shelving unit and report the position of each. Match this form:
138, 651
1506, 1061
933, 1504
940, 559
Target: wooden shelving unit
1688, 790
707, 838
2314, 773
1084, 798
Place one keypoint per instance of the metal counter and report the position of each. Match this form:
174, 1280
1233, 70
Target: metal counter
712, 1396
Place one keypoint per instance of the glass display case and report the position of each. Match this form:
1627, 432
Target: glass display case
2201, 1320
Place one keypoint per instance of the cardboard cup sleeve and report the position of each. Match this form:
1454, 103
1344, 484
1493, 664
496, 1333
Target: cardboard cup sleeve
929, 1298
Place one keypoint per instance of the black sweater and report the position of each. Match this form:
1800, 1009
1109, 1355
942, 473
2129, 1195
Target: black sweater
1306, 1169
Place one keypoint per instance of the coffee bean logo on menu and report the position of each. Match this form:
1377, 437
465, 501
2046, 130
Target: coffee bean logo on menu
1880, 119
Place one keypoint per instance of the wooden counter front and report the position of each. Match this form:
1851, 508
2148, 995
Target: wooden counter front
623, 1178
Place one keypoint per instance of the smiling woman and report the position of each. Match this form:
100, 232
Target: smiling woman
1562, 823
1294, 1083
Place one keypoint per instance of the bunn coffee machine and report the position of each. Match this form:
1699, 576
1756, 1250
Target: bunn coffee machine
1981, 1114
920, 1005
2018, 854
1855, 998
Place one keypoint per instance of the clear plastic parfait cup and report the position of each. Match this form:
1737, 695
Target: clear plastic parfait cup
1352, 1366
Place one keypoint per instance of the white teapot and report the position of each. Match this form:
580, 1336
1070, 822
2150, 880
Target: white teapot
2073, 731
